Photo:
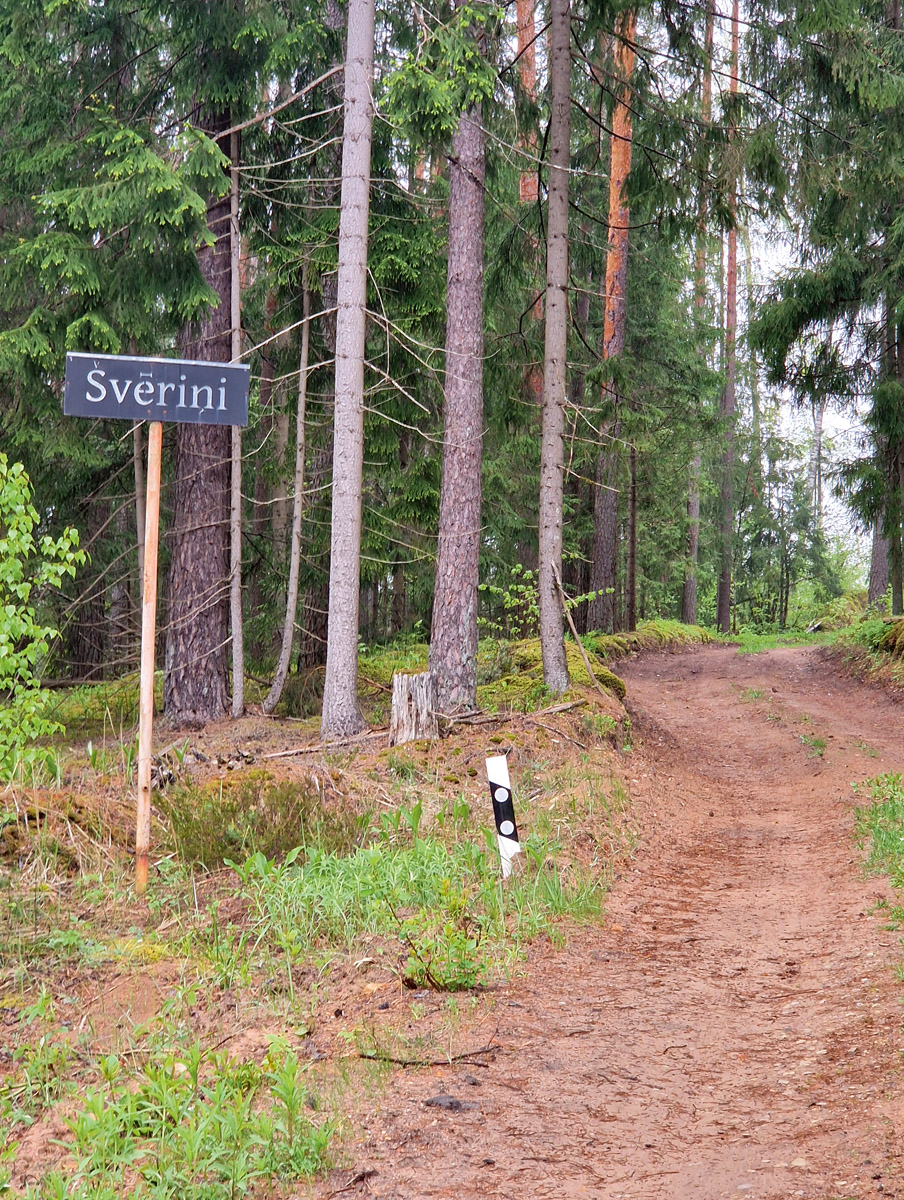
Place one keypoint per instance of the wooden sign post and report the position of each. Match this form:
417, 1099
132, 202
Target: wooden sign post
148, 638
154, 390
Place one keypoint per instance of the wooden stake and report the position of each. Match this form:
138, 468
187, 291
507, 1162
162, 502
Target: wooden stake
148, 636
235, 504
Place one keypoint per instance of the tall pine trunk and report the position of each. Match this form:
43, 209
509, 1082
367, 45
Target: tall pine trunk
727, 405
453, 635
604, 570
689, 590
195, 680
528, 190
878, 565
555, 665
341, 713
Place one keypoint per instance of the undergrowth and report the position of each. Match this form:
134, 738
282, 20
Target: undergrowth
442, 901
189, 1125
750, 641
375, 872
880, 831
873, 648
252, 813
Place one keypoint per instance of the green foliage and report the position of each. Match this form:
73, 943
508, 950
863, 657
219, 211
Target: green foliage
514, 606
751, 641
867, 634
31, 564
843, 611
448, 74
190, 1127
880, 825
455, 927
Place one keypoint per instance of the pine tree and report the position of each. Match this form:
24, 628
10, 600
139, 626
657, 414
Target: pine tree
341, 713
555, 666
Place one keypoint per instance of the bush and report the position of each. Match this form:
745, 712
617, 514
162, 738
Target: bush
29, 567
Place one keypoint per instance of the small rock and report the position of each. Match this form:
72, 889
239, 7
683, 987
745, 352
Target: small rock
800, 1162
449, 1103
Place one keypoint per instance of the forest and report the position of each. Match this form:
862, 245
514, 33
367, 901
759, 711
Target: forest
527, 293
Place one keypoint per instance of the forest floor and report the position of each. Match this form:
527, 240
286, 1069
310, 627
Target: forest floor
735, 1027
732, 1027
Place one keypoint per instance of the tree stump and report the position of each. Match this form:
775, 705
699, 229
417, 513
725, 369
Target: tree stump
413, 709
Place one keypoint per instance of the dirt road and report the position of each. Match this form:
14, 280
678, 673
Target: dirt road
735, 1028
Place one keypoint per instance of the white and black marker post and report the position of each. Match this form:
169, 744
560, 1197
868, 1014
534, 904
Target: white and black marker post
503, 811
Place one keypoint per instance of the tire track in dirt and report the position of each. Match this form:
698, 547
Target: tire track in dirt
735, 1028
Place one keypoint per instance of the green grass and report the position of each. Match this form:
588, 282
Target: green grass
442, 901
749, 641
190, 1126
816, 744
880, 826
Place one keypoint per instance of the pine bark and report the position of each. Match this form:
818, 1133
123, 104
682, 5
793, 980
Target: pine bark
689, 590
453, 636
814, 473
195, 679
552, 465
631, 544
604, 571
728, 401
878, 565
529, 190
341, 713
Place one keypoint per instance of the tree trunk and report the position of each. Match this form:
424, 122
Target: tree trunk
878, 565
604, 572
689, 591
195, 678
555, 665
529, 190
285, 653
631, 545
341, 713
727, 405
601, 608
576, 571
814, 473
453, 635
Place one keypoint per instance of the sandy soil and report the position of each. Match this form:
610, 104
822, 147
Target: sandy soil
735, 1027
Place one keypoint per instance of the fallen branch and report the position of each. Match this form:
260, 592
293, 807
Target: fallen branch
341, 743
552, 729
489, 718
361, 1177
471, 1056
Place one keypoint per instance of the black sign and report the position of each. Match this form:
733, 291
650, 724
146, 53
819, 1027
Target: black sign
156, 389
